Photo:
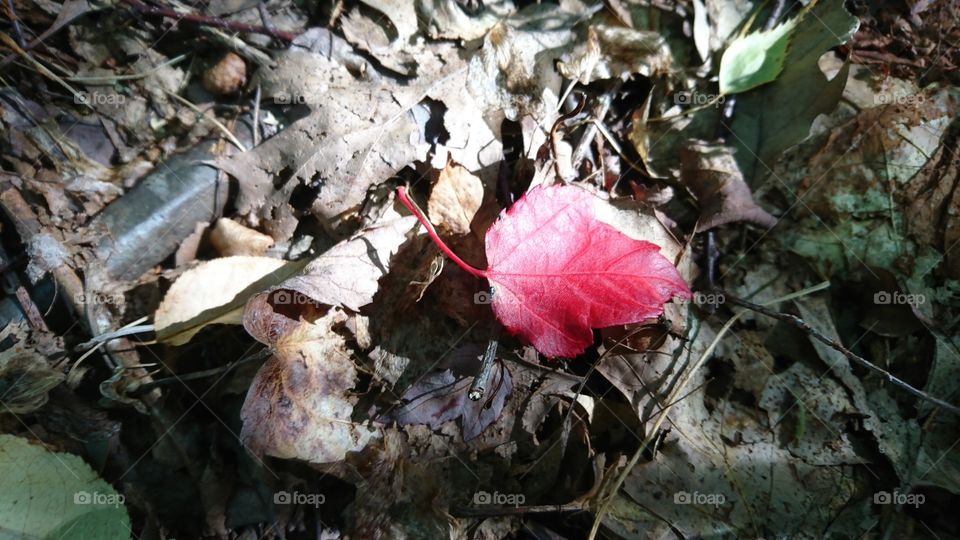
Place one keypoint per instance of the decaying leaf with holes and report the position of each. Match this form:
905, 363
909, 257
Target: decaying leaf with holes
300, 402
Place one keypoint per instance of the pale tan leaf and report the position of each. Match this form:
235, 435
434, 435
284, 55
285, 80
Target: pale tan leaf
455, 199
230, 238
345, 275
214, 292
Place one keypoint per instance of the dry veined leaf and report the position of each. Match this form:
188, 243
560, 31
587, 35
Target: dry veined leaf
455, 199
345, 275
358, 133
299, 405
230, 238
612, 52
214, 292
715, 178
442, 396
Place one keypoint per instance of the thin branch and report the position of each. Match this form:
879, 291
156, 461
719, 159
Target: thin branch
204, 20
805, 327
497, 510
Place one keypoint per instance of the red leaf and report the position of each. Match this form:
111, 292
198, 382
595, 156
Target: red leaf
557, 271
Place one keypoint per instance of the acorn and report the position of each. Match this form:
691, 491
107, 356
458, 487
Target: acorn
226, 76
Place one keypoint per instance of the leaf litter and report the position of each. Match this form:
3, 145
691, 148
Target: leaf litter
683, 270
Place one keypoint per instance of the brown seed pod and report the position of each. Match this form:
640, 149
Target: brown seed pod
226, 76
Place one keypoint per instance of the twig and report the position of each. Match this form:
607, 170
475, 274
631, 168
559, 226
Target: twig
599, 113
28, 226
265, 17
256, 117
204, 20
98, 343
69, 11
31, 310
259, 355
17, 31
491, 511
226, 132
133, 328
802, 325
110, 79
556, 126
42, 69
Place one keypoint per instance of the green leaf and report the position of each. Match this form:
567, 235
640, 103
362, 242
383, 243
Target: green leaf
778, 115
49, 495
754, 59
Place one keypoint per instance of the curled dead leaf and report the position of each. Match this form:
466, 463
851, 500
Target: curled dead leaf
299, 405
715, 178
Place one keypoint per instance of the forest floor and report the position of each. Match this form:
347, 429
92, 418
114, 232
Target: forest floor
479, 269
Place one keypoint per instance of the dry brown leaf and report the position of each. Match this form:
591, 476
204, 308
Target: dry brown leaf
299, 405
345, 275
214, 292
359, 132
455, 199
613, 52
25, 375
230, 238
713, 175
